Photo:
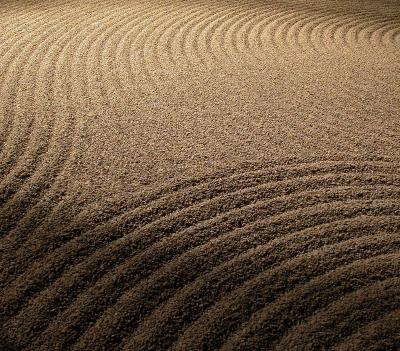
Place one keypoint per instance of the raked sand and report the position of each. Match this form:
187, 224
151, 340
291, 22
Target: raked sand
199, 175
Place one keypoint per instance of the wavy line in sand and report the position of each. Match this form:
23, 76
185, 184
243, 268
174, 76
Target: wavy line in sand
216, 188
173, 226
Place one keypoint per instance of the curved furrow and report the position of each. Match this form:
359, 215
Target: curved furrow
63, 95
359, 28
267, 285
281, 34
97, 25
160, 57
177, 43
185, 259
8, 36
207, 196
169, 38
305, 34
310, 24
273, 29
180, 44
157, 43
290, 170
46, 171
385, 34
222, 38
15, 66
287, 33
370, 336
232, 33
174, 201
89, 85
93, 71
337, 33
267, 32
17, 73
128, 49
96, 71
320, 36
256, 32
390, 34
371, 27
349, 31
136, 49
52, 194
120, 65
362, 23
198, 42
143, 197
374, 31
214, 37
247, 43
9, 77
326, 328
163, 207
187, 44
277, 318
308, 131
83, 307
160, 195
134, 244
21, 170
132, 269
25, 18
104, 295
264, 33
202, 245
168, 31
340, 33
153, 43
42, 15
210, 29
269, 271
149, 13
328, 35
277, 29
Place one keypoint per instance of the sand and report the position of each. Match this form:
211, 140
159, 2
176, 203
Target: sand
199, 175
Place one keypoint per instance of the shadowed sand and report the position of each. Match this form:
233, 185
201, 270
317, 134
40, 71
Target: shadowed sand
199, 175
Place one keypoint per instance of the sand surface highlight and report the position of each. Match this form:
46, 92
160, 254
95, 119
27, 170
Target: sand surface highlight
199, 175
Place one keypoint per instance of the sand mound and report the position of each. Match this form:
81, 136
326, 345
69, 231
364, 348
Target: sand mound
197, 175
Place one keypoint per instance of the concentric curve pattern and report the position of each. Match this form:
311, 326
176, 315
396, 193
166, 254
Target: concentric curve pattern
199, 175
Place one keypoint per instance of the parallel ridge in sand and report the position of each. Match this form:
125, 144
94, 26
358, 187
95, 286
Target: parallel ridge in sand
199, 175
233, 260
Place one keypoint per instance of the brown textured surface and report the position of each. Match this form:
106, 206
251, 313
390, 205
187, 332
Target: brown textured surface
198, 175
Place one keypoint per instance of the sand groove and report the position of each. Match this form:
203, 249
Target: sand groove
199, 175
193, 231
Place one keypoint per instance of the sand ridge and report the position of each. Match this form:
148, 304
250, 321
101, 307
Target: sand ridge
197, 175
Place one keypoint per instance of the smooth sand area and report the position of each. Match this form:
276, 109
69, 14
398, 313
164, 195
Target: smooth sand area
199, 175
